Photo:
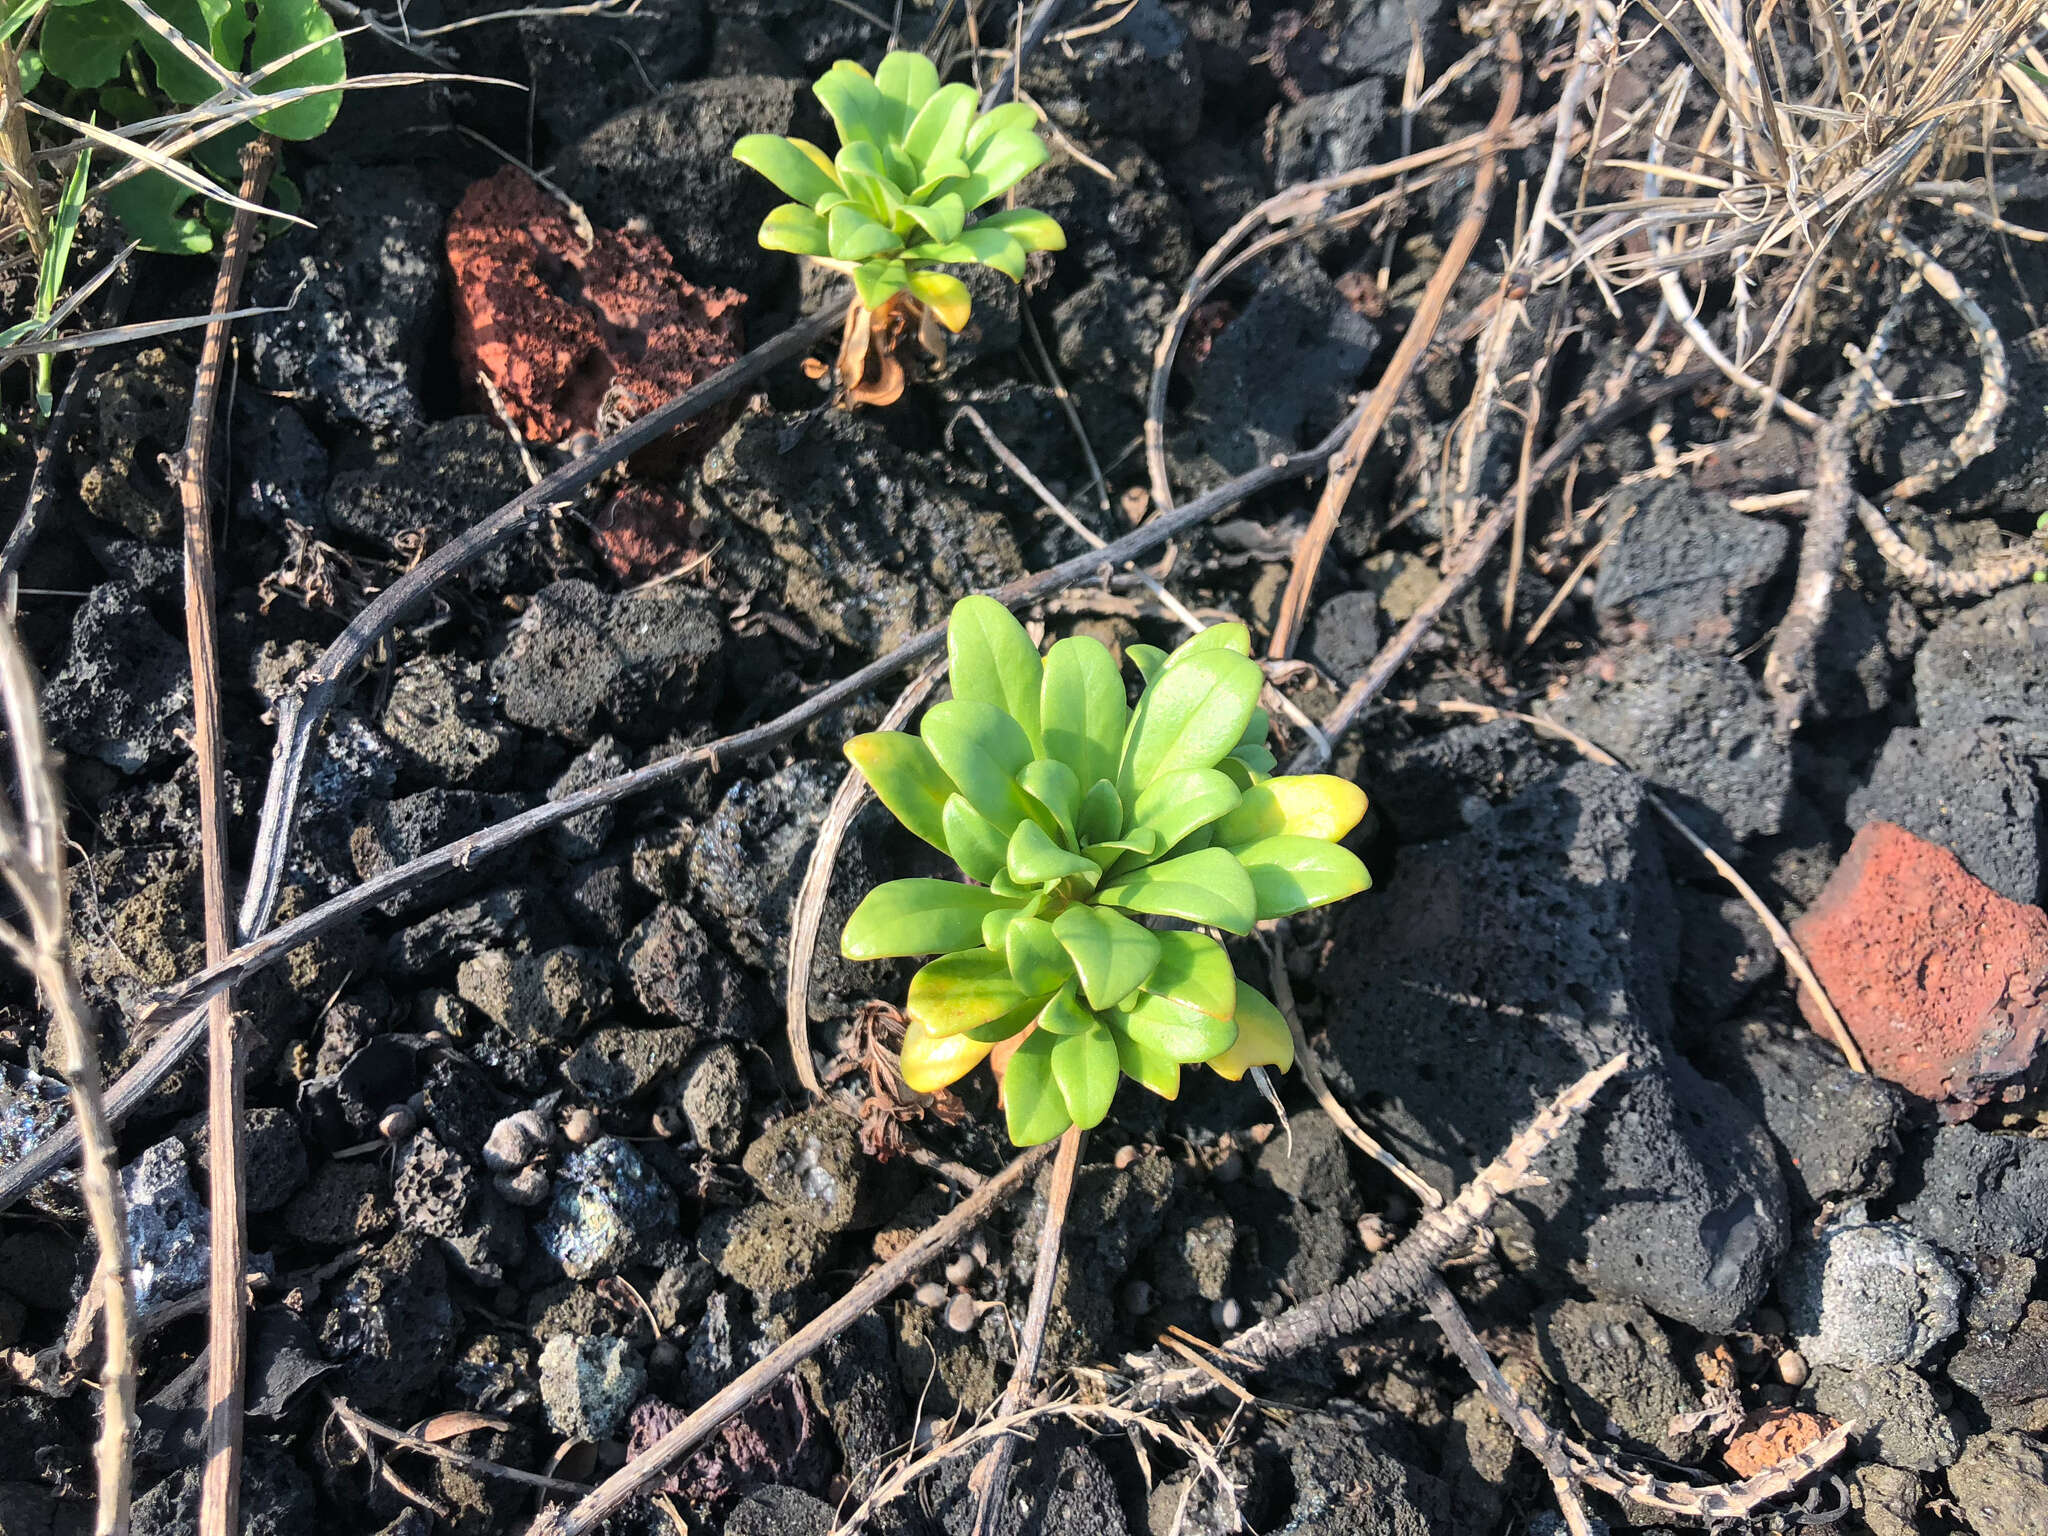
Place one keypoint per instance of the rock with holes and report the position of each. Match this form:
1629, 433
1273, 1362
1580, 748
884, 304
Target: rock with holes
1492, 969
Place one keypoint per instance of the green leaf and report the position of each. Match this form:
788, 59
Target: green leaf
946, 297
1112, 954
1037, 962
1034, 859
1081, 711
1053, 786
1191, 716
1256, 729
919, 917
1292, 874
998, 1030
1318, 805
879, 281
981, 749
908, 79
147, 205
1009, 116
995, 250
1006, 159
83, 45
977, 847
1031, 229
941, 219
1085, 1067
1256, 762
1177, 803
1232, 637
1263, 1038
1148, 659
1175, 1031
939, 131
1102, 814
1209, 886
854, 236
785, 162
1063, 1013
1033, 1106
1195, 972
858, 111
991, 660
1141, 1064
285, 28
957, 992
793, 227
906, 778
218, 27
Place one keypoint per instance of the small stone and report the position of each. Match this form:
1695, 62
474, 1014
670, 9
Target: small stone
1226, 1314
515, 1141
523, 1187
1792, 1368
1969, 791
667, 1122
961, 1313
1869, 1293
397, 1122
814, 1162
962, 1269
1375, 1233
607, 1207
666, 1358
1988, 665
169, 1231
767, 1248
588, 1384
616, 1066
1619, 1371
714, 1100
1983, 1196
2001, 1482
930, 1294
1687, 569
556, 995
1887, 1498
1401, 581
1938, 977
580, 1128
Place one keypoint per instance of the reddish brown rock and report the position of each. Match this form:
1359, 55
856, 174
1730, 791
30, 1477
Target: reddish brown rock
1773, 1436
576, 336
1939, 978
642, 533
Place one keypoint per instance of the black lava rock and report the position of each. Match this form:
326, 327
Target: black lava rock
1967, 789
1988, 665
391, 1325
1496, 967
124, 691
1688, 570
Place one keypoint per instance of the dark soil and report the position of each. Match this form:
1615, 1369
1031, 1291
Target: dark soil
528, 1141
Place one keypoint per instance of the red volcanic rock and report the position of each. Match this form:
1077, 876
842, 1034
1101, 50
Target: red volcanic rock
1940, 979
579, 337
1773, 1436
642, 534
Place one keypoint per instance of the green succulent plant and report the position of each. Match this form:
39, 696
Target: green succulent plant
916, 159
1077, 816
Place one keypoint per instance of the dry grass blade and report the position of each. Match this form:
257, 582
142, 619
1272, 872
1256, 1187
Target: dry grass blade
32, 863
17, 156
809, 911
220, 1487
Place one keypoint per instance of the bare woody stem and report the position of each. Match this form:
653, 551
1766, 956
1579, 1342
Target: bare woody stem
220, 1489
32, 857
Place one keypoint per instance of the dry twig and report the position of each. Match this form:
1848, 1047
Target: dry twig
32, 863
991, 1475
637, 1475
1379, 406
220, 1489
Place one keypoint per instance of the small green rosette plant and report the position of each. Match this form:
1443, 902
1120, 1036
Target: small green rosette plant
916, 159
1075, 816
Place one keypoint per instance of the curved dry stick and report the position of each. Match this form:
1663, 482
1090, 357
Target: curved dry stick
1981, 581
301, 712
1979, 432
177, 1018
809, 911
1379, 405
32, 859
646, 1468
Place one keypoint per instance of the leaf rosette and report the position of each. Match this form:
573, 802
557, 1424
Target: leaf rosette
916, 159
1086, 826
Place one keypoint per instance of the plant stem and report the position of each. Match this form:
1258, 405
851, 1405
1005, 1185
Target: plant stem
220, 1489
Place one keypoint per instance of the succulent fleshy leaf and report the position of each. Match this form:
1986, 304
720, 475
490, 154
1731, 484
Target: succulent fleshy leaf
931, 1062
918, 917
1263, 1038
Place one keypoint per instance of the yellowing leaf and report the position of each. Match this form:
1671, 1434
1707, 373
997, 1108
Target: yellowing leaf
1318, 805
931, 1062
1263, 1039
